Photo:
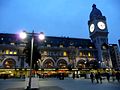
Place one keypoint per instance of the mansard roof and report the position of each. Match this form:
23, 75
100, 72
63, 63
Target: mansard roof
54, 41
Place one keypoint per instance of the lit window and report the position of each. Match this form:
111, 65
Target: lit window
61, 46
12, 43
89, 54
65, 54
48, 45
103, 47
81, 54
15, 52
80, 47
1, 38
11, 52
23, 44
90, 47
7, 51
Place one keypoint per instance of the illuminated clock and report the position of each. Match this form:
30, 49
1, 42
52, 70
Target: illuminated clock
92, 27
101, 25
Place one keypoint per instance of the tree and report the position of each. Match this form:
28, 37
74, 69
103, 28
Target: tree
36, 55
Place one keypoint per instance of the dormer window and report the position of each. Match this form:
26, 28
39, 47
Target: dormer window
61, 46
80, 46
2, 38
12, 43
104, 47
48, 45
90, 47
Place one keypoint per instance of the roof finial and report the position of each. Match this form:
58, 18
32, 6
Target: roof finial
94, 6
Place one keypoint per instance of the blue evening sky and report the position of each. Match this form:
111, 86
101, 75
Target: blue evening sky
58, 17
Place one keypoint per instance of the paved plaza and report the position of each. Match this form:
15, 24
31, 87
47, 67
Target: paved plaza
56, 84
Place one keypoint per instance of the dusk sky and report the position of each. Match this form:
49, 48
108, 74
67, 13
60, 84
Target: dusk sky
58, 17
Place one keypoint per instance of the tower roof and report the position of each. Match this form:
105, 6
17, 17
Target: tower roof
95, 13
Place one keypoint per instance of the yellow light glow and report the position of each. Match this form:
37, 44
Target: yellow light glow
81, 54
12, 74
65, 54
9, 72
7, 51
89, 54
6, 63
15, 53
11, 52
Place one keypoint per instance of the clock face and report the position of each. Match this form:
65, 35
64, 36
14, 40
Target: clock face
101, 25
92, 27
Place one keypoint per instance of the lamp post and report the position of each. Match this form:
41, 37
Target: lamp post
23, 35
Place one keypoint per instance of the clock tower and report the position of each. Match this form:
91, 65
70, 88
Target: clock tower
98, 32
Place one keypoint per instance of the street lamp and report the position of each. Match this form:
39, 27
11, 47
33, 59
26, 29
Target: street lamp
23, 35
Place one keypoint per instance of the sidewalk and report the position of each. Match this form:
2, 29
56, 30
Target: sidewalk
41, 88
56, 84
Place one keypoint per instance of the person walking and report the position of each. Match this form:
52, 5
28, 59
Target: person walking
100, 77
108, 77
73, 76
113, 76
92, 77
118, 76
96, 77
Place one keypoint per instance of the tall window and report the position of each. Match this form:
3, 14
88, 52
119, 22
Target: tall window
64, 53
7, 51
89, 54
81, 53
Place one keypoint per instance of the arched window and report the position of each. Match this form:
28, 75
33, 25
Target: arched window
62, 63
81, 63
9, 63
48, 63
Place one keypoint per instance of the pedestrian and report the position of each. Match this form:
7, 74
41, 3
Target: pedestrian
100, 77
118, 76
113, 76
96, 77
73, 76
92, 77
108, 77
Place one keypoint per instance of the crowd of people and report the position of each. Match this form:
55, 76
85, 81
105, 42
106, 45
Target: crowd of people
99, 77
